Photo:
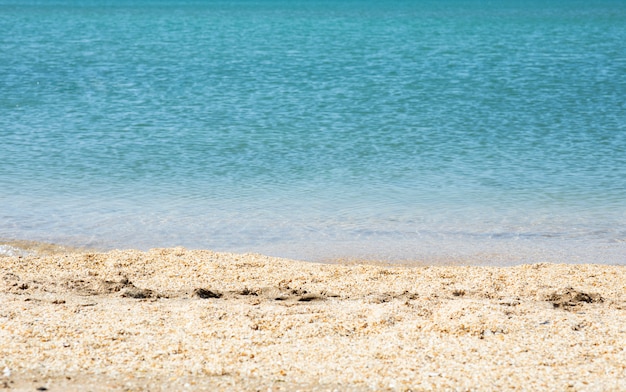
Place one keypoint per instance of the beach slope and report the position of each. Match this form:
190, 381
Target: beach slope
176, 319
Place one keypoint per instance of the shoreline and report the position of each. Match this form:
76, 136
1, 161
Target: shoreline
176, 319
487, 257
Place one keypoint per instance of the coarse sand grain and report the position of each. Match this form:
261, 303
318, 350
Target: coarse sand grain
177, 319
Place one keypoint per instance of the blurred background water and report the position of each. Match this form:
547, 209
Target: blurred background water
396, 130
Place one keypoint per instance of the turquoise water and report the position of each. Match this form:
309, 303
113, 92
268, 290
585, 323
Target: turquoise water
488, 131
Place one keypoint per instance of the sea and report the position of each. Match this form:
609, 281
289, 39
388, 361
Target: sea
429, 131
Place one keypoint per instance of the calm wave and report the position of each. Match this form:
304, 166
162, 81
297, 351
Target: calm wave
317, 129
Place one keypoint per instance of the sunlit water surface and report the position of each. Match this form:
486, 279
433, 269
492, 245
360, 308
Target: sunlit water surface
396, 130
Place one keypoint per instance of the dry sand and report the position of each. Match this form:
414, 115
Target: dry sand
174, 319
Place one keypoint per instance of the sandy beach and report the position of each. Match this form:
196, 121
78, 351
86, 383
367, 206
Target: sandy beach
176, 319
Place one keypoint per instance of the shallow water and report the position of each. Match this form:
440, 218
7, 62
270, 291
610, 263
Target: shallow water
317, 130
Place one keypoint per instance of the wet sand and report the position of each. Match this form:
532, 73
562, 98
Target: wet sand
175, 319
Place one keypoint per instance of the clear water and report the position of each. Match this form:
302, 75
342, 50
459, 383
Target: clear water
401, 130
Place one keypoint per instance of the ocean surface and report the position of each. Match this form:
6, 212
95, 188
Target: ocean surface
442, 131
